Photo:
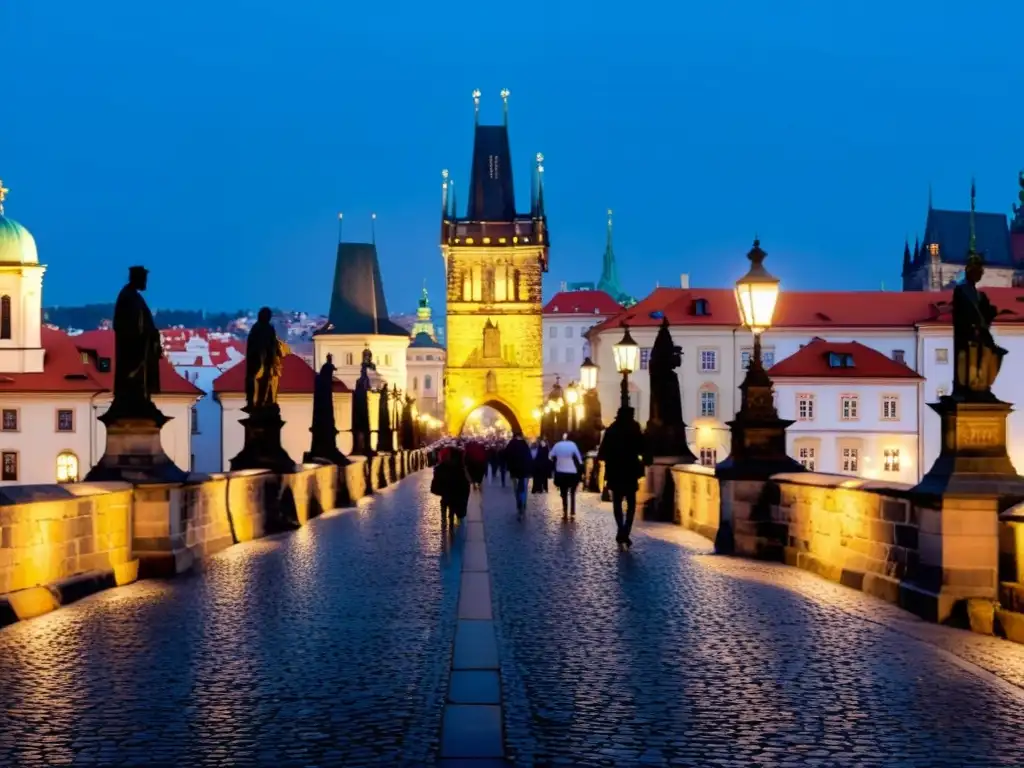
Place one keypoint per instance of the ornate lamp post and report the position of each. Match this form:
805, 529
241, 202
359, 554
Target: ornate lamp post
590, 432
758, 434
572, 398
627, 357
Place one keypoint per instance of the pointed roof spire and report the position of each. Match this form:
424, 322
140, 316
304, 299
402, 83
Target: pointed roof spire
341, 217
540, 186
973, 247
505, 93
373, 228
444, 193
476, 106
906, 256
608, 239
917, 248
609, 282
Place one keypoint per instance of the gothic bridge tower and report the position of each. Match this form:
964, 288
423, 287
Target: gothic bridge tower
495, 259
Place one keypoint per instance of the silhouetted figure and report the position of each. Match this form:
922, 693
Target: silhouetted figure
520, 464
264, 358
361, 408
623, 453
324, 445
568, 465
452, 483
137, 350
666, 431
976, 355
385, 436
541, 467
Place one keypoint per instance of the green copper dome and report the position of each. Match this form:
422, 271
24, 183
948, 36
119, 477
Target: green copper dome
17, 246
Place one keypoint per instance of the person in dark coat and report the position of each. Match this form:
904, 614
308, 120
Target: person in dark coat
519, 464
623, 453
451, 482
541, 467
476, 462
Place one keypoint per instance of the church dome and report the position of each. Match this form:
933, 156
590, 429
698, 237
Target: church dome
17, 246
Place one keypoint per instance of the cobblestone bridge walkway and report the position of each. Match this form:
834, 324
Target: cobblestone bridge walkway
333, 646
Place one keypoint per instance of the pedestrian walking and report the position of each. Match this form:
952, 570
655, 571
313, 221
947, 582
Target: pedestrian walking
568, 462
623, 453
476, 462
451, 482
519, 463
541, 467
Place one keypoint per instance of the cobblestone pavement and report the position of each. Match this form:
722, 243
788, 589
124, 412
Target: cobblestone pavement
668, 656
327, 646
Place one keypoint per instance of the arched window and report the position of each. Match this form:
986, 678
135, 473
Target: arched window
415, 383
348, 358
67, 467
5, 317
426, 383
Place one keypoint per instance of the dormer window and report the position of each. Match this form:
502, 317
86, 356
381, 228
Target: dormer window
933, 250
657, 314
103, 364
840, 360
700, 308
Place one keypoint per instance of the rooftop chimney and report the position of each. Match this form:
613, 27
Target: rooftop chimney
684, 280
562, 286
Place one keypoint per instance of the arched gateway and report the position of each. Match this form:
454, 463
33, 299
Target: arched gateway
494, 260
500, 407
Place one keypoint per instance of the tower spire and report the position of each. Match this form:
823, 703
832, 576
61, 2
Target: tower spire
540, 185
476, 106
973, 248
906, 256
373, 228
451, 197
444, 193
609, 282
504, 99
341, 217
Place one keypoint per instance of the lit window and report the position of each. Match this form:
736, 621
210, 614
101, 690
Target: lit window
851, 457
890, 408
708, 456
708, 403
899, 356
10, 467
805, 407
848, 407
941, 355
892, 459
807, 456
933, 249
10, 419
67, 467
65, 420
645, 358
708, 360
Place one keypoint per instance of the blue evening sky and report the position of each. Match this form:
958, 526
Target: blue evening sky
215, 140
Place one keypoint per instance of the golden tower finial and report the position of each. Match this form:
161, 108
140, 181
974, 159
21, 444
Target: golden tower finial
540, 162
3, 195
504, 100
476, 105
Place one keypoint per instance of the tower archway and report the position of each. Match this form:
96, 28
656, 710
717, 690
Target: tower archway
502, 408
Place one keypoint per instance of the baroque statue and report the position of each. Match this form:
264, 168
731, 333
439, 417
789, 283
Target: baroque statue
361, 407
264, 361
324, 430
666, 431
137, 349
977, 357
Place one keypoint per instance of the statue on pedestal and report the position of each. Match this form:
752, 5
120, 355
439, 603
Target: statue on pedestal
977, 357
408, 424
666, 431
134, 452
264, 363
385, 436
324, 446
361, 408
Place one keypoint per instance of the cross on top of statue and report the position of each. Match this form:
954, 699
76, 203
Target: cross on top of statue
3, 195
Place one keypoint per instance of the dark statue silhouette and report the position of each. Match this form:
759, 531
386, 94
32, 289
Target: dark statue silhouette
264, 358
361, 408
324, 445
137, 351
666, 431
977, 357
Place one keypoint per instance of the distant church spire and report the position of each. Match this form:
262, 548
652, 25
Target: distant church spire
539, 210
341, 217
906, 257
504, 101
373, 228
609, 282
476, 106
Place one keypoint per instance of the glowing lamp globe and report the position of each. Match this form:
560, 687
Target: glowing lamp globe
588, 375
572, 393
627, 353
757, 292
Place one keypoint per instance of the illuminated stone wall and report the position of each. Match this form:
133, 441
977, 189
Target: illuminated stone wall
53, 535
514, 352
698, 505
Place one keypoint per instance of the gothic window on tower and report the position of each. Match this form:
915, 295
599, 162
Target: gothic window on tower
478, 282
5, 317
467, 285
501, 283
487, 291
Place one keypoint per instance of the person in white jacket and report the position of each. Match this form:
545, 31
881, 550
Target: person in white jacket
568, 461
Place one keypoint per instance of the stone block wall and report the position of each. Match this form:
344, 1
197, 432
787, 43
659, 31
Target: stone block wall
59, 543
61, 531
698, 505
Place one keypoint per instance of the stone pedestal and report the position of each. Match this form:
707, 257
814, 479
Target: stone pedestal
324, 448
134, 453
660, 493
262, 448
973, 461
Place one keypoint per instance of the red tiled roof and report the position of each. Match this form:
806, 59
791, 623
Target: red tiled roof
811, 309
63, 369
812, 361
102, 344
297, 378
582, 303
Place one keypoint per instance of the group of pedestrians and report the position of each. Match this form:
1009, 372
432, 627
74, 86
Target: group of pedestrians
462, 466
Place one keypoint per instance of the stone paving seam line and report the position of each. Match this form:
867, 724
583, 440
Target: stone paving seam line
472, 727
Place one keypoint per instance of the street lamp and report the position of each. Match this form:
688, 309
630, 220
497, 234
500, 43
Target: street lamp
590, 433
627, 355
588, 375
758, 435
572, 397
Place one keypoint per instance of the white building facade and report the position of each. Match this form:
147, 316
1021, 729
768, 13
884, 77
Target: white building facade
567, 318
